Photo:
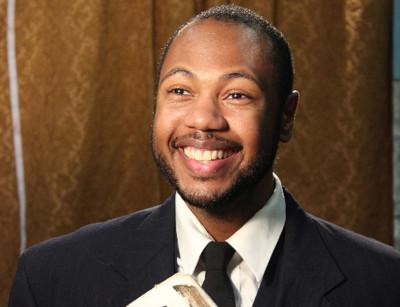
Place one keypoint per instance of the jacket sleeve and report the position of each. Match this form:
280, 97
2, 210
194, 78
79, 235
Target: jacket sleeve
21, 294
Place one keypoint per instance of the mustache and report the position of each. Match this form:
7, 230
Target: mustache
207, 140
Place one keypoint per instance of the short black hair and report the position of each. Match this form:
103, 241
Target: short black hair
280, 52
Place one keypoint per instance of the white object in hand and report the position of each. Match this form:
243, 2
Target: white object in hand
179, 290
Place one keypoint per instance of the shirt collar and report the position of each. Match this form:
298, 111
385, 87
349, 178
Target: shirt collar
191, 235
269, 220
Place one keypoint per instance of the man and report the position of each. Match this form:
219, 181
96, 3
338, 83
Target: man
224, 101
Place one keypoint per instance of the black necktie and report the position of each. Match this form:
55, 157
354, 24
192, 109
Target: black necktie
217, 284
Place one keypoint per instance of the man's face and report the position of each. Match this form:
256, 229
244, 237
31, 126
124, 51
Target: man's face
215, 131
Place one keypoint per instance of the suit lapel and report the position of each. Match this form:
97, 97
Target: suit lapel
301, 270
143, 255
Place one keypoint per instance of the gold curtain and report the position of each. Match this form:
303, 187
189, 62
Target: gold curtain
86, 76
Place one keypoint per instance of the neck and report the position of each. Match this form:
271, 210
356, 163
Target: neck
221, 224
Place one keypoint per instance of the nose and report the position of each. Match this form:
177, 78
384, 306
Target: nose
206, 114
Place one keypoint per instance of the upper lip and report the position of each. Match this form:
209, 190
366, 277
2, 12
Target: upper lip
206, 141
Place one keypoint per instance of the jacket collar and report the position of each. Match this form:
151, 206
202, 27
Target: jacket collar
302, 270
145, 254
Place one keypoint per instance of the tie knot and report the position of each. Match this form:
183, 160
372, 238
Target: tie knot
216, 255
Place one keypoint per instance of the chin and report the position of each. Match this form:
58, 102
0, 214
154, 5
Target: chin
206, 199
222, 199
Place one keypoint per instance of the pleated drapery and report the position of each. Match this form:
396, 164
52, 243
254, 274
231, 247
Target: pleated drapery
85, 81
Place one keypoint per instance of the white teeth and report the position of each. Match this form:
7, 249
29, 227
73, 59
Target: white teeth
199, 155
206, 155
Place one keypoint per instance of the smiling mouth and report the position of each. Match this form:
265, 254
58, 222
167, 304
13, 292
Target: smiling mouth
206, 155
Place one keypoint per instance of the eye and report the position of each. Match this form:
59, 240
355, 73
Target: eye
237, 96
179, 91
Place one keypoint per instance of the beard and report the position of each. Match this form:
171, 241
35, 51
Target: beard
245, 180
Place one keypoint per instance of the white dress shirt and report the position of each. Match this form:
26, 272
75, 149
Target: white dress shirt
254, 243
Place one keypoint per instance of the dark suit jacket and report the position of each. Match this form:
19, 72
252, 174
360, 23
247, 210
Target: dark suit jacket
112, 263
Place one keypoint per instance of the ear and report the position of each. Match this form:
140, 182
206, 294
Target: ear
288, 115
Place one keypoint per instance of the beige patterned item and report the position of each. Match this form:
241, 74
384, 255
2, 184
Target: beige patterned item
179, 290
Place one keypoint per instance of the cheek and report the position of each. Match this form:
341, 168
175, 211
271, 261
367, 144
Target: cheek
254, 132
159, 128
164, 127
252, 139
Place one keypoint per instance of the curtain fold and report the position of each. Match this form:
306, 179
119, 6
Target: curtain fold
339, 163
9, 210
86, 83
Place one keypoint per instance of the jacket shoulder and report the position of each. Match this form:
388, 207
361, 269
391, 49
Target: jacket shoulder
371, 268
82, 265
92, 234
345, 241
342, 242
100, 241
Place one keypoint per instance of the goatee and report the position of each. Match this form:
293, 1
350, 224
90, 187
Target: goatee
245, 180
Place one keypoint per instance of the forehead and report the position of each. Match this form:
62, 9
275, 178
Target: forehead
212, 44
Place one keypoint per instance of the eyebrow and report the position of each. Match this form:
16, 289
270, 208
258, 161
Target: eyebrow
177, 70
240, 74
227, 76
